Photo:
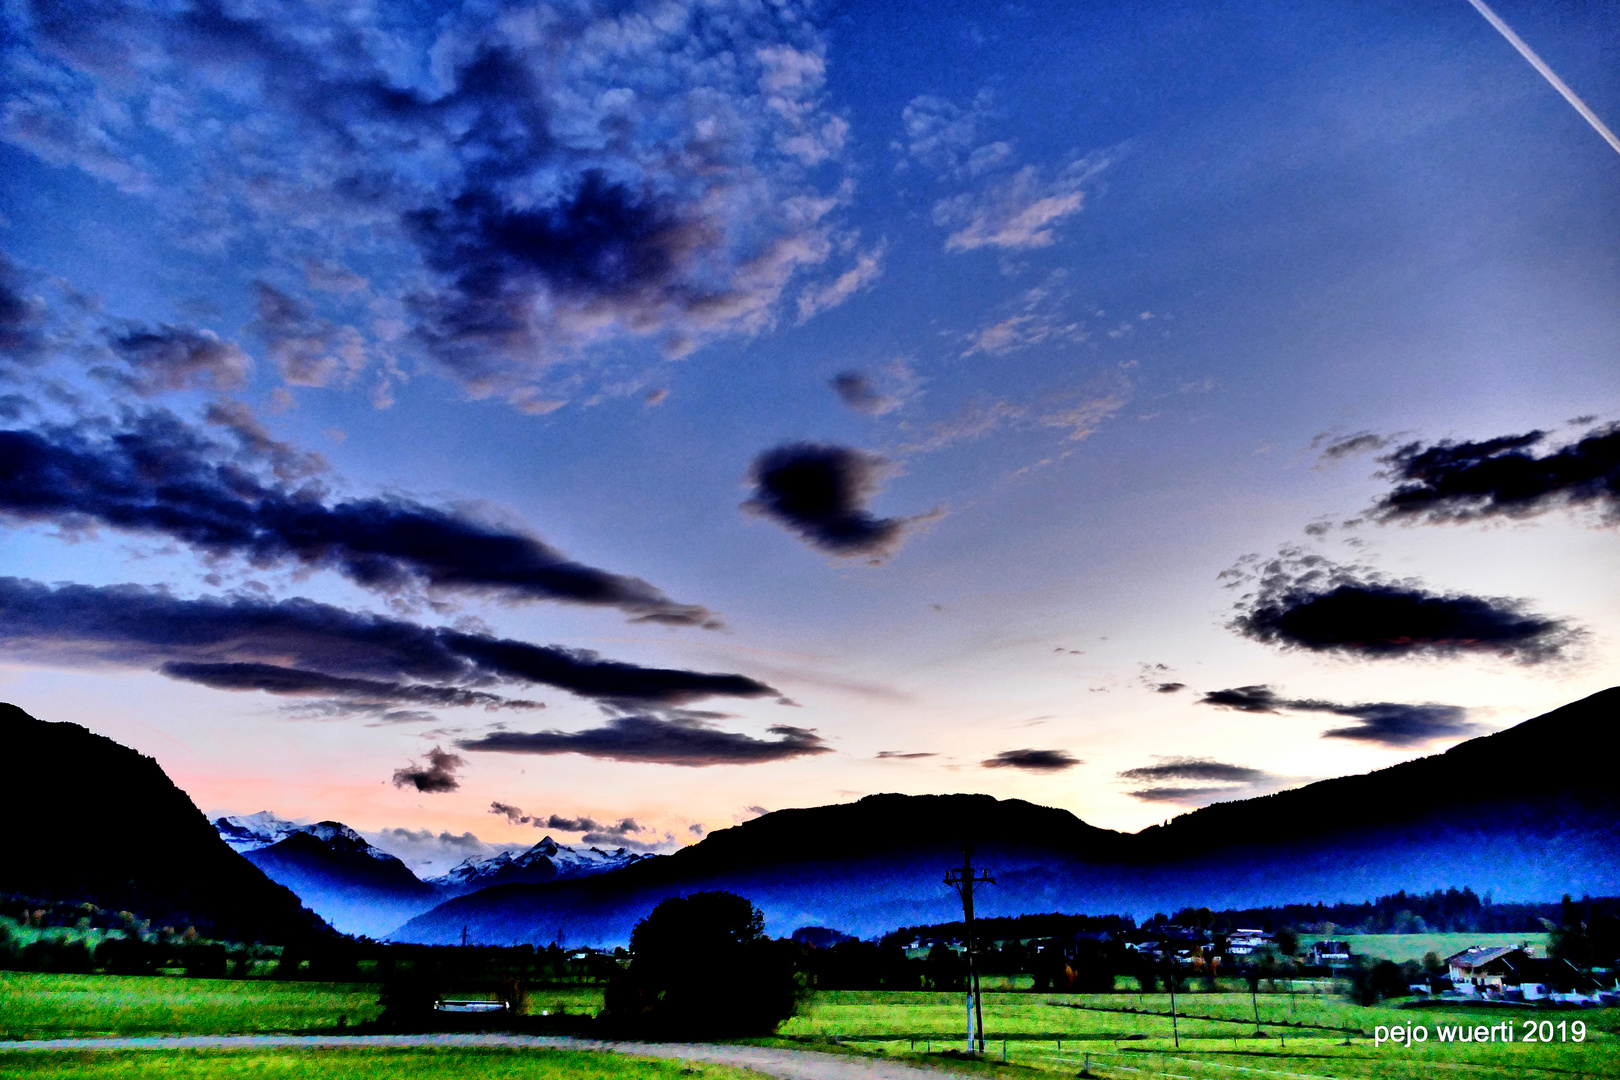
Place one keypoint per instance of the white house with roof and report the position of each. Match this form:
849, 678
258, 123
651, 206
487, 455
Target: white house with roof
1243, 942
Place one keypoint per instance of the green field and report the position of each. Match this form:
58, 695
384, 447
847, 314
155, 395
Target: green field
41, 1006
1308, 1034
1400, 947
924, 1027
413, 1064
50, 1006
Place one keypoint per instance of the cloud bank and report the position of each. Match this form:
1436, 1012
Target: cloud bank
1033, 760
538, 180
1384, 723
155, 474
1304, 601
1211, 780
656, 740
131, 626
1503, 478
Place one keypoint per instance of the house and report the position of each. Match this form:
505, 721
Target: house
1516, 974
1242, 942
1484, 969
1330, 952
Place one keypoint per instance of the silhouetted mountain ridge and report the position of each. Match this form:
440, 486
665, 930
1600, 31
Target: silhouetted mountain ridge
173, 869
1530, 812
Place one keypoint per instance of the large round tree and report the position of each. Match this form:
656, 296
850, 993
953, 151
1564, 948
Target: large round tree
701, 967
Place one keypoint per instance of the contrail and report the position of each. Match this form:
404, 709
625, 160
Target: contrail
1547, 73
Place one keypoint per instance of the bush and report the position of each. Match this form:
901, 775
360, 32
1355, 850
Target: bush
701, 967
126, 956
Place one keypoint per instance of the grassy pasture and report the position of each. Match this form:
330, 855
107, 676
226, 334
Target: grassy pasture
1402, 947
35, 1005
412, 1064
928, 1028
48, 1006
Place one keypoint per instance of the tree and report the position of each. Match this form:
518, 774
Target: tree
701, 967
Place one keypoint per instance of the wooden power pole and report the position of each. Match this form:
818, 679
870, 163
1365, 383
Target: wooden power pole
962, 879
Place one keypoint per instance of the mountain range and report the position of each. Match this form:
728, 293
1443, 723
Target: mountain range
361, 889
1528, 813
173, 870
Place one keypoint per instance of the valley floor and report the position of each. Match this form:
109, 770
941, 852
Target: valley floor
1123, 1035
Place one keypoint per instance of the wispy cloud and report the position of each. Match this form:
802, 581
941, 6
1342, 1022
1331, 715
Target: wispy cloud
1385, 723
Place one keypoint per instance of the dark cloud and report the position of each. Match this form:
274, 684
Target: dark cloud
1194, 768
901, 755
857, 391
1033, 760
653, 739
697, 829
1502, 477
1169, 687
156, 474
286, 461
1210, 780
514, 815
165, 358
1396, 725
820, 492
1257, 699
541, 183
1185, 794
23, 316
1386, 723
1304, 601
1333, 449
435, 777
272, 679
596, 832
133, 626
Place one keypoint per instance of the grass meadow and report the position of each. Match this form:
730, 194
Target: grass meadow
1402, 947
1307, 1036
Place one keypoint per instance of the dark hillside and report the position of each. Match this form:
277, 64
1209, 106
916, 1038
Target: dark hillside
90, 820
1553, 762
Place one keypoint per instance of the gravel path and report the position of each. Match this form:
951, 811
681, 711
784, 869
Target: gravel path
772, 1061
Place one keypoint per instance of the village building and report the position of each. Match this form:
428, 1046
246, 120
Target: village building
1243, 942
1515, 973
1329, 953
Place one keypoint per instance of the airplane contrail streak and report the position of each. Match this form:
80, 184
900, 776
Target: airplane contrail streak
1547, 73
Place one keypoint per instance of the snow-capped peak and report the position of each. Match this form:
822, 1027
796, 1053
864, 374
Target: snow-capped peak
250, 832
545, 861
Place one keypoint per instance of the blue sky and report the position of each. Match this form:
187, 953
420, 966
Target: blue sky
931, 398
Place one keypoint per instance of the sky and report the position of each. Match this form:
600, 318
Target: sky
478, 421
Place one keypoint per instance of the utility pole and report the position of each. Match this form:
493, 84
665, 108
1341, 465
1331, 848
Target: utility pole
1175, 1031
962, 879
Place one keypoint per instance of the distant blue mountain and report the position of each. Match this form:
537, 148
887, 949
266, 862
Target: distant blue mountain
1527, 814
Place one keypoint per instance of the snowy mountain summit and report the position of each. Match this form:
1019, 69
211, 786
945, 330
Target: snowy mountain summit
546, 861
252, 832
